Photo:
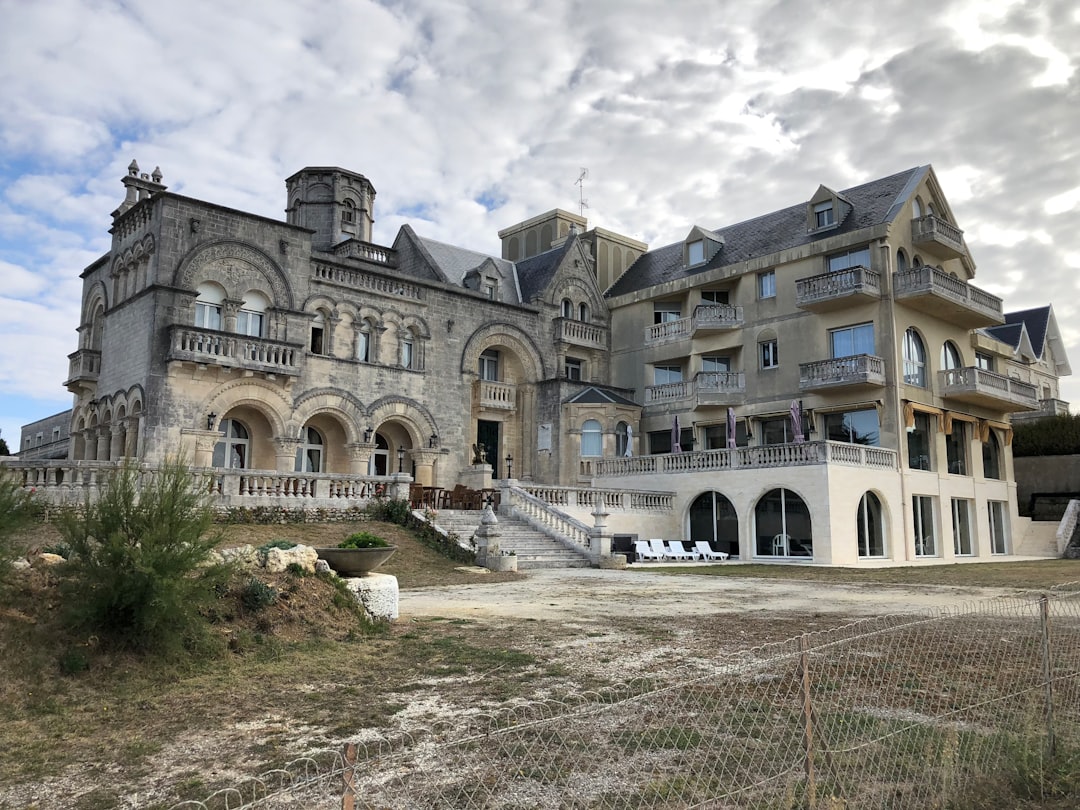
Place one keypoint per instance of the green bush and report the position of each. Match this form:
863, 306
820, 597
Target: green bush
256, 595
141, 572
390, 510
1052, 436
363, 540
16, 511
59, 549
284, 545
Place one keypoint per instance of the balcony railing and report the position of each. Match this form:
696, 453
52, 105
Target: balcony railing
580, 333
668, 331
842, 372
357, 249
719, 388
668, 392
497, 396
362, 280
838, 289
1047, 408
932, 290
981, 387
938, 236
213, 348
83, 367
744, 458
717, 318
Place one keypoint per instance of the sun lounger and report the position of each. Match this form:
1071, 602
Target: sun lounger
641, 548
705, 550
677, 551
659, 549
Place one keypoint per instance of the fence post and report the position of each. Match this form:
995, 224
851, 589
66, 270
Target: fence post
1047, 671
808, 722
348, 774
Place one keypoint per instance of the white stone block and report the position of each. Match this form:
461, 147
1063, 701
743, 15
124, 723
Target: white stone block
378, 593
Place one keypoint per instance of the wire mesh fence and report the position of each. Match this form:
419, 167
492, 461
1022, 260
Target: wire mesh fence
910, 711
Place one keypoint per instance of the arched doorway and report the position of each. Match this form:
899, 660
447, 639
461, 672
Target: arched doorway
713, 519
782, 526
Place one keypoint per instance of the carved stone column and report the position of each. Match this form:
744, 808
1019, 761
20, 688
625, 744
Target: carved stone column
425, 464
101, 450
117, 436
285, 453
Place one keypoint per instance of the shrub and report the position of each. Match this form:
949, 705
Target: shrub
390, 510
256, 595
141, 569
59, 549
363, 540
284, 545
16, 511
1052, 436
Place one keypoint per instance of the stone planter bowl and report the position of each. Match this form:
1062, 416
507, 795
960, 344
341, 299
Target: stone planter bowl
355, 562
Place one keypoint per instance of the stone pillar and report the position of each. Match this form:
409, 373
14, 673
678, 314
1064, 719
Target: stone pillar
101, 452
359, 456
285, 453
399, 486
116, 441
599, 537
425, 464
229, 309
478, 476
488, 553
200, 445
131, 437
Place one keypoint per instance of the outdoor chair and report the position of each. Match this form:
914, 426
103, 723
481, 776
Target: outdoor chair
677, 551
781, 545
706, 552
641, 548
659, 549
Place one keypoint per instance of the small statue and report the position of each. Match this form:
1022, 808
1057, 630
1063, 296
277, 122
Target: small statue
479, 454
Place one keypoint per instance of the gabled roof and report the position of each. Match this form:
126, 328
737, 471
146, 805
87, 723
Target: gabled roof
598, 396
1012, 334
536, 272
873, 203
1036, 321
1038, 327
455, 262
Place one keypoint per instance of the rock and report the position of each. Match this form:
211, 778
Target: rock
279, 559
244, 556
20, 564
45, 558
322, 567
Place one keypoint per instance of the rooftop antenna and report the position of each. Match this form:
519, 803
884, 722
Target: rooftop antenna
580, 182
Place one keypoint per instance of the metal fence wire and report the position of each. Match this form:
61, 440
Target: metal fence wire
911, 711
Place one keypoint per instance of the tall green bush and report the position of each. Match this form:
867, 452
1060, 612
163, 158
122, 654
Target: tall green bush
16, 511
141, 569
1052, 436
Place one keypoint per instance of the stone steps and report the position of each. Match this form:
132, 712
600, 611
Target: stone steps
533, 549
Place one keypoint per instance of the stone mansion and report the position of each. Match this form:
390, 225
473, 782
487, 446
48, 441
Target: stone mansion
822, 383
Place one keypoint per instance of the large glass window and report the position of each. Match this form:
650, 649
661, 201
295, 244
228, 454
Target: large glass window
208, 306
852, 340
854, 427
922, 508
489, 365
991, 453
249, 320
850, 258
716, 436
956, 449
961, 527
232, 450
715, 363
714, 521
715, 296
766, 284
695, 252
777, 431
666, 311
782, 526
591, 438
920, 440
999, 527
870, 527
662, 375
309, 455
984, 361
950, 356
914, 359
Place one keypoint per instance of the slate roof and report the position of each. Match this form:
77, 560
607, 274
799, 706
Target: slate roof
455, 262
598, 396
1010, 333
536, 272
873, 203
1036, 321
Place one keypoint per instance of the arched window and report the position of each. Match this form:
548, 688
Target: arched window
408, 349
567, 308
950, 356
489, 365
208, 306
782, 525
914, 359
916, 208
713, 519
318, 334
97, 326
583, 311
363, 342
249, 320
232, 450
348, 212
991, 453
901, 261
379, 461
870, 527
591, 438
622, 440
309, 455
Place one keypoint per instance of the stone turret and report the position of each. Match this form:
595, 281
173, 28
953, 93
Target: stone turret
139, 186
335, 203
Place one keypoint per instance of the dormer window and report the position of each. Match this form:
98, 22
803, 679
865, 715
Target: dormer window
700, 245
695, 252
827, 209
824, 214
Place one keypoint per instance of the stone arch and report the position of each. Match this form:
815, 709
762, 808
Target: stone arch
234, 264
577, 290
416, 419
499, 333
237, 393
348, 409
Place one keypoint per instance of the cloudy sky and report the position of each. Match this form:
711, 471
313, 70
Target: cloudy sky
471, 115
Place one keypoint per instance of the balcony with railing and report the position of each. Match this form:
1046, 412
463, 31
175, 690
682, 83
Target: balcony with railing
977, 386
211, 348
719, 388
938, 237
669, 331
935, 292
838, 289
1047, 408
675, 392
498, 396
579, 333
83, 368
842, 372
716, 318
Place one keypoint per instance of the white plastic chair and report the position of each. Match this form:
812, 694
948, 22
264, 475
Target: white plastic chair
641, 548
705, 550
677, 551
658, 548
781, 545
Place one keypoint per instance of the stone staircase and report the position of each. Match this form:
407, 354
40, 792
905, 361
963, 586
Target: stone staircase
532, 548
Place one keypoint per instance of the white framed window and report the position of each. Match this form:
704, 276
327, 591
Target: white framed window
851, 340
870, 526
363, 343
768, 354
766, 284
489, 365
666, 311
961, 527
860, 257
408, 350
695, 252
232, 450
592, 439
824, 214
663, 375
984, 361
950, 356
309, 455
715, 363
922, 509
572, 368
999, 527
250, 318
914, 359
208, 306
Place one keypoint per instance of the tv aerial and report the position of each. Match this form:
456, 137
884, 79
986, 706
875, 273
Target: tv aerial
580, 183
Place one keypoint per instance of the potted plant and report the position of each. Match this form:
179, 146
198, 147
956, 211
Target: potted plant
357, 554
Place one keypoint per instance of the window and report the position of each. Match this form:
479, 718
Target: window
782, 525
914, 359
713, 519
583, 312
591, 438
318, 334
568, 308
716, 436
991, 453
662, 375
950, 356
232, 451
961, 527
901, 261
660, 440
850, 258
922, 509
870, 527
919, 441
208, 306
666, 311
956, 447
767, 353
999, 537
715, 296
309, 455
249, 320
348, 212
853, 427
824, 215
489, 365
777, 431
852, 340
623, 437
572, 368
984, 361
695, 252
715, 363
489, 290
363, 343
408, 355
766, 284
